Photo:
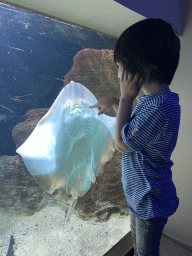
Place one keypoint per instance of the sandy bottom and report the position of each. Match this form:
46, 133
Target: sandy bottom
46, 233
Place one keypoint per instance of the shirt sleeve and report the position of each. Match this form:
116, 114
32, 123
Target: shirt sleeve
144, 129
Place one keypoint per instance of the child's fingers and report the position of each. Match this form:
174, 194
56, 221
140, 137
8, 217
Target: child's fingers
95, 106
136, 77
101, 110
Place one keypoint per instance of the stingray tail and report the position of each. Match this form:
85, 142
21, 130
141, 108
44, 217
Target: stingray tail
72, 206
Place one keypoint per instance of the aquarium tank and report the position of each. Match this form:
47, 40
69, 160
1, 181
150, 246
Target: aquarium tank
60, 175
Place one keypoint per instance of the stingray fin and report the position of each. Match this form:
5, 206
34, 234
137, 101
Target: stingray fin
56, 184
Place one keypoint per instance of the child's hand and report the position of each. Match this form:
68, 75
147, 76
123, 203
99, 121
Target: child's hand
130, 85
103, 104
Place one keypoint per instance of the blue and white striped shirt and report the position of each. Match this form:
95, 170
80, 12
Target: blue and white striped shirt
146, 166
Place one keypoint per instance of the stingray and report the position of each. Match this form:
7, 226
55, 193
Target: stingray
70, 144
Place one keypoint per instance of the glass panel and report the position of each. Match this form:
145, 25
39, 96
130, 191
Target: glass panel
39, 57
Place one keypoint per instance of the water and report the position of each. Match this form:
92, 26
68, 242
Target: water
38, 57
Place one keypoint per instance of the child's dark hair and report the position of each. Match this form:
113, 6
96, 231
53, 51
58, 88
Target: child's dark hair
151, 43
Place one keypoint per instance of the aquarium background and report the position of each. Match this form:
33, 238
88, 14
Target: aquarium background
39, 56
36, 54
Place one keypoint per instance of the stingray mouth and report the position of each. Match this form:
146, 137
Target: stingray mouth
76, 110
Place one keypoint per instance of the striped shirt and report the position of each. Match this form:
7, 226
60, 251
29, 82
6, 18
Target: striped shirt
151, 136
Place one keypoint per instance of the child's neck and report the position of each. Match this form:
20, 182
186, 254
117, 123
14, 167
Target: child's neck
148, 89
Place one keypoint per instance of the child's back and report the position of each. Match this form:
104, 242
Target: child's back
146, 169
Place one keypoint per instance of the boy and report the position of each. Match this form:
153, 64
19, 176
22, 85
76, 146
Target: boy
147, 54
